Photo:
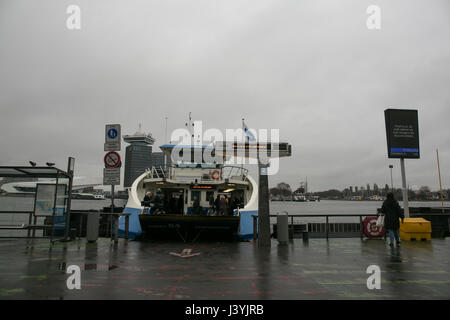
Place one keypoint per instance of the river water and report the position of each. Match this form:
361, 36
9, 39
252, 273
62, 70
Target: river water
322, 207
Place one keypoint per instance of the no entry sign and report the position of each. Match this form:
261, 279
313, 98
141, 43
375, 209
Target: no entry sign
112, 159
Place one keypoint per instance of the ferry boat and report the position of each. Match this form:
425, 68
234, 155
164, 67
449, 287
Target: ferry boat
87, 196
299, 198
179, 184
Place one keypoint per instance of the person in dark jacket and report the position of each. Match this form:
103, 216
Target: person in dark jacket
196, 206
223, 206
147, 199
217, 204
211, 204
392, 214
180, 204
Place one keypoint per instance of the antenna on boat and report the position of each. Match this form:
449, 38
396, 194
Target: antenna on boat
190, 125
165, 133
306, 185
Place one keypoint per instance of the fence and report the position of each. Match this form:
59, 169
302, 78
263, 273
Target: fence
327, 229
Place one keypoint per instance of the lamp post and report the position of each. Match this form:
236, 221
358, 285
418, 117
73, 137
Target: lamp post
392, 181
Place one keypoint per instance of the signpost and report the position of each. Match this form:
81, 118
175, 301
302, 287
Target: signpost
70, 170
112, 137
111, 172
402, 133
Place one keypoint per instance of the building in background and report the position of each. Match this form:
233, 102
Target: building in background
158, 159
139, 156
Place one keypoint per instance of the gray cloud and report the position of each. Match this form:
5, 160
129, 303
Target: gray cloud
310, 68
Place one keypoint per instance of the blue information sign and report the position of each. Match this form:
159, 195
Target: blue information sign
112, 133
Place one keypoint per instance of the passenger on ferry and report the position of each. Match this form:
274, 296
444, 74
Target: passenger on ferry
233, 206
211, 204
172, 206
147, 199
223, 206
180, 204
196, 206
217, 204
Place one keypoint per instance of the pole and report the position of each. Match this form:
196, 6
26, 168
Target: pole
263, 206
165, 132
440, 181
112, 204
70, 170
243, 141
405, 190
392, 180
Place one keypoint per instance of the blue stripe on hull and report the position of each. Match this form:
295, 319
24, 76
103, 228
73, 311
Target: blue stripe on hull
134, 228
246, 224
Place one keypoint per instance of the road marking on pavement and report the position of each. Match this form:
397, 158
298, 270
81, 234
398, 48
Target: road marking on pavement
186, 253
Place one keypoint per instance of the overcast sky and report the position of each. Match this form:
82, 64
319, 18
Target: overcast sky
310, 68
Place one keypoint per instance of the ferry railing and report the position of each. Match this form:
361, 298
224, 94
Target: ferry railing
326, 216
233, 171
158, 172
226, 172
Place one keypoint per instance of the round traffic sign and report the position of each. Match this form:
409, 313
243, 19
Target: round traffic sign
112, 133
370, 228
112, 159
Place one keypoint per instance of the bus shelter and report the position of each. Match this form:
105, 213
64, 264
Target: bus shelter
52, 199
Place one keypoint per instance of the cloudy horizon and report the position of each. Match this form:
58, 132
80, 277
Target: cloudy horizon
311, 69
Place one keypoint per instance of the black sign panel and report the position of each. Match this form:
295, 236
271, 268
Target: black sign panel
402, 133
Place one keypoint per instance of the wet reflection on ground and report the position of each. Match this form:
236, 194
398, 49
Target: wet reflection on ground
316, 269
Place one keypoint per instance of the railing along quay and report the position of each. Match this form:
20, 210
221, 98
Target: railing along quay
75, 224
327, 221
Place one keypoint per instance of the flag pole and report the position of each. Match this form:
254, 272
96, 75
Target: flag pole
243, 141
440, 181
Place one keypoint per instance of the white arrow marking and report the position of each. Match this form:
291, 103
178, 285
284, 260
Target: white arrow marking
186, 253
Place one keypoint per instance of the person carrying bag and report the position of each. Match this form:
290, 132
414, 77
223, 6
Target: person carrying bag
393, 213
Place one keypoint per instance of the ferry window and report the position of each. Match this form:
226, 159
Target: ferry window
196, 194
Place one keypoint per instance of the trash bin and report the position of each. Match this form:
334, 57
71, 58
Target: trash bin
92, 226
282, 229
305, 235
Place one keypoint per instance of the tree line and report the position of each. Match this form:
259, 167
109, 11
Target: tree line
424, 193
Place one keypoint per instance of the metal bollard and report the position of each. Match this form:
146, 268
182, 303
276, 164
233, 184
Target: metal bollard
92, 226
282, 229
305, 235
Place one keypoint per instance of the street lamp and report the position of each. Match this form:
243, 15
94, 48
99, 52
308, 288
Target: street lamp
392, 182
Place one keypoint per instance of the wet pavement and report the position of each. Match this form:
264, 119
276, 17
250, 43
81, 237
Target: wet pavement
318, 269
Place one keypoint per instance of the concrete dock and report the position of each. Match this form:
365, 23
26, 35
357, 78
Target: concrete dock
317, 269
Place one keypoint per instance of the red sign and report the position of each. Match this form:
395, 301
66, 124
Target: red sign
370, 228
112, 159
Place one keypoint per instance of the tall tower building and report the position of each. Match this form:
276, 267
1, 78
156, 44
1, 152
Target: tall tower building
138, 155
